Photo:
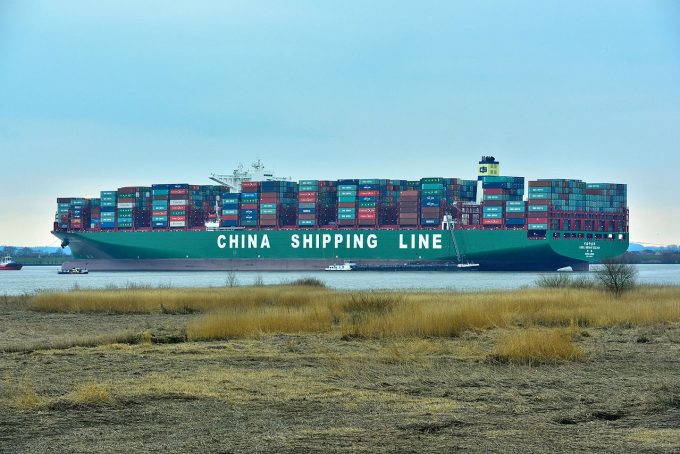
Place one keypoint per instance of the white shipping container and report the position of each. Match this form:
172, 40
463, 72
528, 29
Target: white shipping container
176, 202
178, 224
126, 205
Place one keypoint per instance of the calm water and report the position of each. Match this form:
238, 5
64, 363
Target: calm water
33, 278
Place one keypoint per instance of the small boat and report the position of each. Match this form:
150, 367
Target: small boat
347, 266
73, 271
8, 264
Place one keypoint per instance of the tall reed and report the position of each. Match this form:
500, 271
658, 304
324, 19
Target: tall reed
248, 311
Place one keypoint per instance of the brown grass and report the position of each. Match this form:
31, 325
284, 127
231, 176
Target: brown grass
177, 301
535, 346
125, 337
25, 398
88, 394
247, 312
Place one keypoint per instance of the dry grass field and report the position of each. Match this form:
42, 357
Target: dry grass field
307, 369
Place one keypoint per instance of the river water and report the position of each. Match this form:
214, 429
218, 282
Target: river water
36, 278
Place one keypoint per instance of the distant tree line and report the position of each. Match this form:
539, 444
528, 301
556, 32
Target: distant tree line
15, 251
663, 256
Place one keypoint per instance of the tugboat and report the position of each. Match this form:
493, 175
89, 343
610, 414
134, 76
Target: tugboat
8, 264
73, 271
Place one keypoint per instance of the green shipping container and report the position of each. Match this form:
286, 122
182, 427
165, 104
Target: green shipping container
538, 226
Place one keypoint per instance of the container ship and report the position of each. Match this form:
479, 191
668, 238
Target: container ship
247, 223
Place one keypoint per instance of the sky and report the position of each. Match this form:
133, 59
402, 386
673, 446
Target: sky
105, 94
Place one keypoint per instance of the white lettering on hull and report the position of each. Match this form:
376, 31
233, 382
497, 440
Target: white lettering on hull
243, 241
420, 241
416, 241
325, 240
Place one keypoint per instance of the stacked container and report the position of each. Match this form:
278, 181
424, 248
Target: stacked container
79, 214
230, 209
143, 203
409, 208
160, 206
540, 193
95, 214
370, 194
178, 206
250, 197
470, 214
347, 202
63, 210
308, 203
203, 201
497, 192
108, 209
317, 203
432, 201
278, 203
125, 206
388, 213
515, 214
459, 190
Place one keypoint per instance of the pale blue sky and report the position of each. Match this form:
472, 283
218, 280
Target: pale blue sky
96, 95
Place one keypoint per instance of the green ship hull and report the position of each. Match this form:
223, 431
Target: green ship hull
304, 250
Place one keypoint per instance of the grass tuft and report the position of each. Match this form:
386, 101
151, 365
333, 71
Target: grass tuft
26, 398
566, 281
307, 282
536, 346
89, 394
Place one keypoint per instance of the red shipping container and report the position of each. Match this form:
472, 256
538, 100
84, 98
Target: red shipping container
267, 217
366, 210
177, 218
269, 194
487, 221
494, 203
229, 217
494, 191
178, 191
346, 205
250, 185
159, 213
368, 193
538, 202
249, 206
307, 217
539, 184
307, 199
537, 220
366, 216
